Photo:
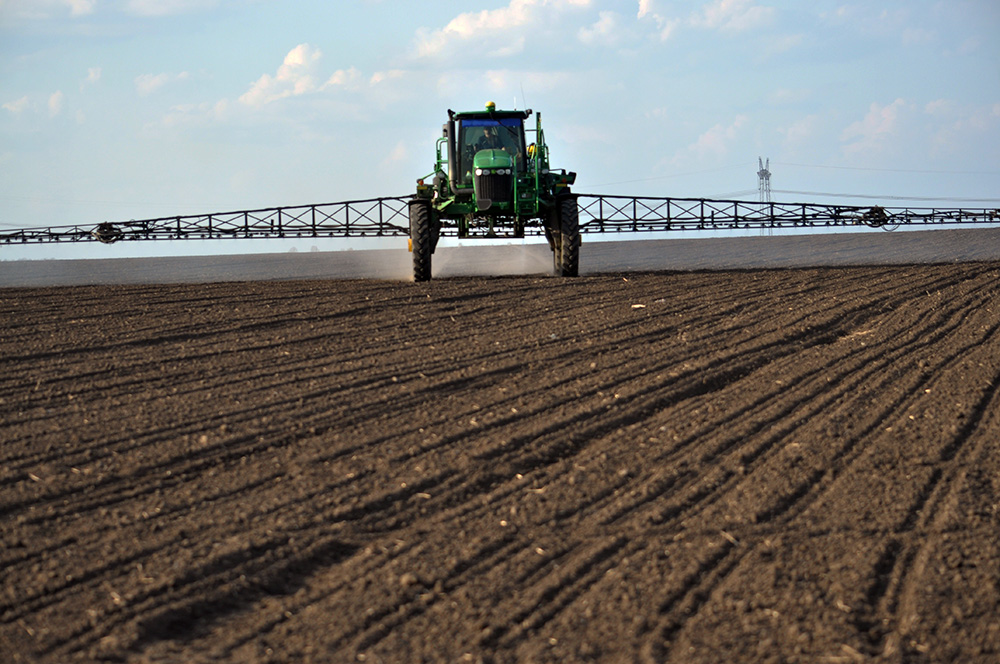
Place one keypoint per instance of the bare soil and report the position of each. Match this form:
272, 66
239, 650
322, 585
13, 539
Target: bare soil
791, 465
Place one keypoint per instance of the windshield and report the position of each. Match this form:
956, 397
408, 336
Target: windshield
475, 134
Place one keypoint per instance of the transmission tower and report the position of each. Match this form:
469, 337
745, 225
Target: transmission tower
764, 186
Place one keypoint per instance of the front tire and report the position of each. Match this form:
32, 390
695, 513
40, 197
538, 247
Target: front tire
566, 248
421, 242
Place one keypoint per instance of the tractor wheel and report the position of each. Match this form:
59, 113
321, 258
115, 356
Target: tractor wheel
421, 242
566, 249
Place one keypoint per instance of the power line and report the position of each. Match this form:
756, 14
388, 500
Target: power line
735, 194
948, 199
888, 170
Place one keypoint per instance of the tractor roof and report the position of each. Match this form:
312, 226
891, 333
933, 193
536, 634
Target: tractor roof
488, 115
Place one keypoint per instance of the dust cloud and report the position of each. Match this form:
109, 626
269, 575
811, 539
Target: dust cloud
813, 250
492, 260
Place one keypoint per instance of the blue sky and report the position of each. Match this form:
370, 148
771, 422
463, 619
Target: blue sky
123, 109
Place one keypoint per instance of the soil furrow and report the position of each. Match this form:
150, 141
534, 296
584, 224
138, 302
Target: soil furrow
762, 465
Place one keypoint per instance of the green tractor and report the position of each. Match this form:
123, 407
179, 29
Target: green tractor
490, 181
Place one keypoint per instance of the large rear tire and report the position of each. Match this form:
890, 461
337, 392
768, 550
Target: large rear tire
421, 242
566, 249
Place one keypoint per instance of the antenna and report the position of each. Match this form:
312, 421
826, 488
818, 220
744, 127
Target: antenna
764, 188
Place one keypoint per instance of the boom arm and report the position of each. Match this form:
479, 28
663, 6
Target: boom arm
388, 217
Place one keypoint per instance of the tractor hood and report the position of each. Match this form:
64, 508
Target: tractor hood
494, 180
493, 159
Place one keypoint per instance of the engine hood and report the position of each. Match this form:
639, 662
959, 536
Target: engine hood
493, 158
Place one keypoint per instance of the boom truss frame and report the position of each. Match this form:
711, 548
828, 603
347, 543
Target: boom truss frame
388, 217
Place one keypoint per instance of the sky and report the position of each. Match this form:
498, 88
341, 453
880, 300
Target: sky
129, 109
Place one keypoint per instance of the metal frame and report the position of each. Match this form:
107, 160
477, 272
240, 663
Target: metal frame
389, 217
631, 214
375, 217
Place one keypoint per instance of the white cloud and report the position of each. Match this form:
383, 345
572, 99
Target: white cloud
723, 15
300, 74
957, 128
840, 14
347, 78
93, 75
56, 102
715, 141
802, 131
398, 154
295, 76
492, 24
939, 107
81, 7
783, 44
604, 31
381, 76
149, 83
167, 7
732, 16
665, 26
44, 9
188, 115
908, 25
871, 133
509, 48
712, 144
17, 106
476, 87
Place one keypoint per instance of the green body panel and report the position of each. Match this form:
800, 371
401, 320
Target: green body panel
515, 185
493, 159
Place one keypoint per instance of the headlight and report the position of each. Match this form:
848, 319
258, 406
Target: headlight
479, 171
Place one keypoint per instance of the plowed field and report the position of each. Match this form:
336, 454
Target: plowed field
797, 465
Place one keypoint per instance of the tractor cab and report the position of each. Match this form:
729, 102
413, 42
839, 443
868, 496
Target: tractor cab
488, 152
502, 137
